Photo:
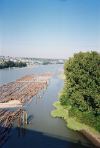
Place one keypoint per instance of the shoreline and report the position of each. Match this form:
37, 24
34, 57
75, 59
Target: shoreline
9, 68
90, 133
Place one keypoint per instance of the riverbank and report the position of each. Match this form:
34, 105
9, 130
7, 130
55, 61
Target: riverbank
28, 66
90, 133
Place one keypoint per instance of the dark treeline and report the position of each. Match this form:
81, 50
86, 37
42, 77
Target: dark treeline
82, 88
7, 64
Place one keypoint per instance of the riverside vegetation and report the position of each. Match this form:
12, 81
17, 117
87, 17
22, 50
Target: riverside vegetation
7, 64
79, 103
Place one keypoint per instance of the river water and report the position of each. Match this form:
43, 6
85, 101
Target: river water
42, 131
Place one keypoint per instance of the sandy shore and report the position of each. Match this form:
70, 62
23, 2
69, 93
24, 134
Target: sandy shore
11, 104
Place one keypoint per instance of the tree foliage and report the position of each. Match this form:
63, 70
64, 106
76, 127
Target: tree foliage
7, 64
82, 83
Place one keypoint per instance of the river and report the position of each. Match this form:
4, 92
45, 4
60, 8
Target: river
43, 131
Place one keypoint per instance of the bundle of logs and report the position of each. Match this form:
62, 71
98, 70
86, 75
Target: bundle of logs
24, 88
6, 120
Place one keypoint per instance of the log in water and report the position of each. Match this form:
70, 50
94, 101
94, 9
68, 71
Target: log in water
22, 90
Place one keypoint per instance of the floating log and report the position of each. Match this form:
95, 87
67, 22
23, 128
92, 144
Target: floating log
23, 90
5, 125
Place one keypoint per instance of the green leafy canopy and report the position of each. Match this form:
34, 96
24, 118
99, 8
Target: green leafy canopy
82, 82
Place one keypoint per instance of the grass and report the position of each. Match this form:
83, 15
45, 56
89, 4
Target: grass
62, 112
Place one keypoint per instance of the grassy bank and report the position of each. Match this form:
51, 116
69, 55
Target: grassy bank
62, 112
72, 123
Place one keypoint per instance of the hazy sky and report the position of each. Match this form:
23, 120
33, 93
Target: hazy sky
49, 28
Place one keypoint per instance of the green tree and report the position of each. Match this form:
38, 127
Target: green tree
82, 82
9, 63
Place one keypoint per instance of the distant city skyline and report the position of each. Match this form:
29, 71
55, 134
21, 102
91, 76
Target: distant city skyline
49, 28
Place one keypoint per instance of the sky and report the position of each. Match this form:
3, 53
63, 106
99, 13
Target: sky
49, 28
